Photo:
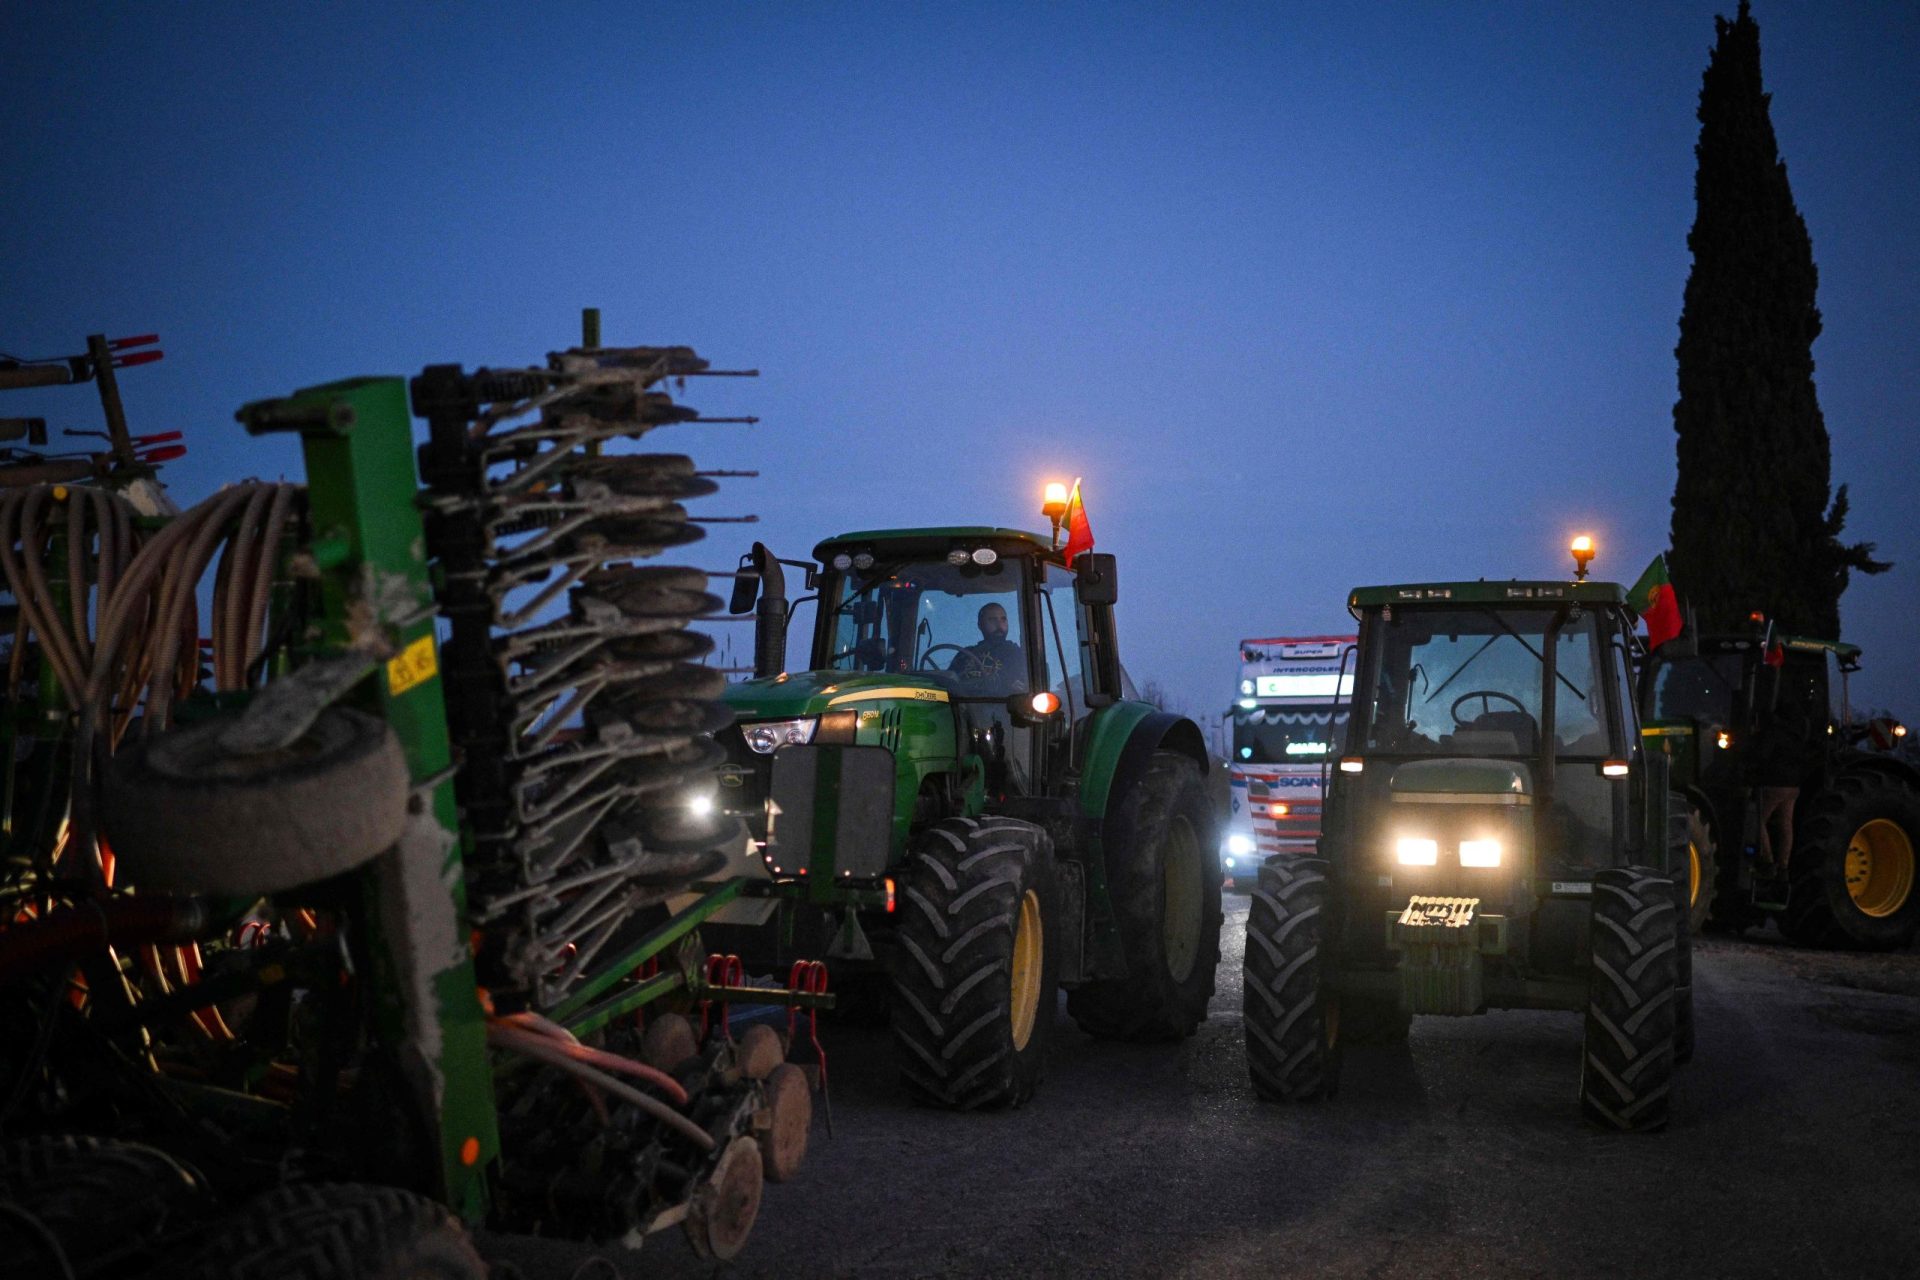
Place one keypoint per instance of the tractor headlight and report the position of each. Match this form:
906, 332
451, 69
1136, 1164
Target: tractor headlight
1479, 853
767, 736
1416, 851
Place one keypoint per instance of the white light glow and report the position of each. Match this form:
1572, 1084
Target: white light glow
1416, 851
700, 806
1479, 853
1306, 748
1239, 846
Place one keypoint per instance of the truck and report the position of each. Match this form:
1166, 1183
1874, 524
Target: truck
1496, 837
1289, 713
1851, 877
957, 804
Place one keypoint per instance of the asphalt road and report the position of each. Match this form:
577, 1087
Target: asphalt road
1794, 1151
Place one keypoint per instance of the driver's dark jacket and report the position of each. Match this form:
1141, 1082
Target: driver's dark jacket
991, 668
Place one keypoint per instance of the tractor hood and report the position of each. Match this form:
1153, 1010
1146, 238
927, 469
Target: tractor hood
809, 693
1463, 777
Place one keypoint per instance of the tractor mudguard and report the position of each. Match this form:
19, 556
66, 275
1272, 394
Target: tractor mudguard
1121, 743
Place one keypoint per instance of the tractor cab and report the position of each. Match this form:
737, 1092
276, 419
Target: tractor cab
1493, 738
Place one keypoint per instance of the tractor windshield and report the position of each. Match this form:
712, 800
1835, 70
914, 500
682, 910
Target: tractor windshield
1454, 681
959, 623
1703, 687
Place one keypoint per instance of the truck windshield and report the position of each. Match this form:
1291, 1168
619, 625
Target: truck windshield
1460, 681
960, 624
1287, 735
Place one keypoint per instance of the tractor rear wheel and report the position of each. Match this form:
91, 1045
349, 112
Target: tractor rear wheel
1292, 1019
1627, 1054
339, 1231
1701, 867
1854, 878
1166, 887
975, 966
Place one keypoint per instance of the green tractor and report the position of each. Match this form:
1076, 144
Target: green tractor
962, 804
1496, 838
1857, 818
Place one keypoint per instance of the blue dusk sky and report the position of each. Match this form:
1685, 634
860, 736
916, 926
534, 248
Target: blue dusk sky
1311, 295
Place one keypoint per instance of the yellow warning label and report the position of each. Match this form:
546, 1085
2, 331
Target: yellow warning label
414, 665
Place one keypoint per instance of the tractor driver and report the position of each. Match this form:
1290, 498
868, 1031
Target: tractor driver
996, 666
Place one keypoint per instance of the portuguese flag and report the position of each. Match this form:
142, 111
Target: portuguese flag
1079, 532
1653, 599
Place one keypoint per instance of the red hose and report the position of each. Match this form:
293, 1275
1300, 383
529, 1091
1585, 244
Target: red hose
74, 931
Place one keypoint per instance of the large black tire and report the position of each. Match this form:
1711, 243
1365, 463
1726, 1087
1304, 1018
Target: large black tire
183, 814
975, 966
1292, 1019
102, 1203
1627, 1061
1166, 886
338, 1231
1853, 865
1683, 978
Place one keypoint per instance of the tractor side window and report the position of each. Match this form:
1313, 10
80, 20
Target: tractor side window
1621, 666
1696, 688
1066, 678
1580, 701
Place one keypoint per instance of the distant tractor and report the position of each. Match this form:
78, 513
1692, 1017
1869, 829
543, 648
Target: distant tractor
961, 805
1851, 877
1495, 837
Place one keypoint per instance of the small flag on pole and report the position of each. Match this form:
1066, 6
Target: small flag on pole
1654, 600
1079, 532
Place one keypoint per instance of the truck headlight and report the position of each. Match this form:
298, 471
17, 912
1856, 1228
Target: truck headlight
767, 736
1479, 853
1416, 851
1239, 846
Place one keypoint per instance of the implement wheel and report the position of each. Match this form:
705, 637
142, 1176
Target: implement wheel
1627, 1055
1292, 1018
976, 965
339, 1231
1166, 887
1854, 880
185, 814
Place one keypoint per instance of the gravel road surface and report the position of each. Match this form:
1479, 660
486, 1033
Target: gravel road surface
1794, 1152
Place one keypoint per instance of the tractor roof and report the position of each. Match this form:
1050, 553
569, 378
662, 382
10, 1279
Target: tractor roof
1514, 592
936, 537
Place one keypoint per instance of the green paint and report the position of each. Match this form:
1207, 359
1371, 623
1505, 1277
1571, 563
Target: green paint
1462, 775
618, 969
361, 494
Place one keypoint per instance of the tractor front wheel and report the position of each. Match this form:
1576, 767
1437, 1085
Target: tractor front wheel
1627, 1055
1853, 864
1166, 887
975, 966
1292, 1018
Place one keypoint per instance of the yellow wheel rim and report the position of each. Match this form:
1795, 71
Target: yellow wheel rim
1182, 880
1029, 951
1880, 868
1693, 874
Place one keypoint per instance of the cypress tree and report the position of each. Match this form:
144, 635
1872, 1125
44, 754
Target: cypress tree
1752, 524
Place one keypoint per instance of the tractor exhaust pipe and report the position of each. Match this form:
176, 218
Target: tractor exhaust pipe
760, 574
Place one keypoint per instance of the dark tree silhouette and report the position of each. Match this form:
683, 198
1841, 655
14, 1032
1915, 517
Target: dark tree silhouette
1752, 523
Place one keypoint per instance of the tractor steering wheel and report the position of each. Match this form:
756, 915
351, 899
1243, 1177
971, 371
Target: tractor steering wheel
1487, 697
971, 671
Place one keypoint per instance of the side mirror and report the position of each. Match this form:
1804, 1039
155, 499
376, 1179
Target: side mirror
746, 586
1096, 578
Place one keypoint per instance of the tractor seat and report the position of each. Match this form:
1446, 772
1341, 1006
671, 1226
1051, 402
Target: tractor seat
1516, 731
